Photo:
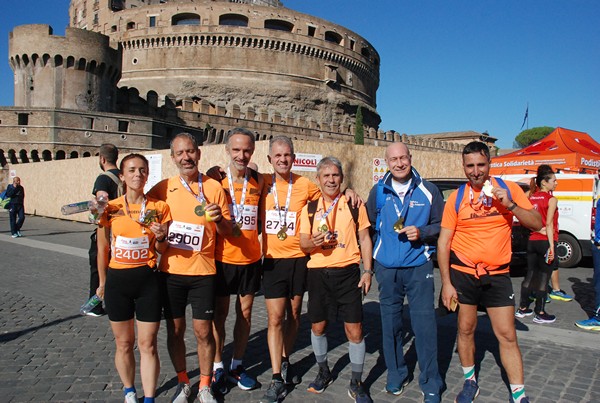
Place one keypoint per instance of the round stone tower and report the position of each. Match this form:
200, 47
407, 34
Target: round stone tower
78, 71
252, 54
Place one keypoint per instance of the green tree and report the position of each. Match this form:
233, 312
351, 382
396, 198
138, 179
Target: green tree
359, 130
530, 136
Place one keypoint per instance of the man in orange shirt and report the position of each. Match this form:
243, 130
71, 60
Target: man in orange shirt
284, 264
238, 258
335, 282
474, 253
199, 211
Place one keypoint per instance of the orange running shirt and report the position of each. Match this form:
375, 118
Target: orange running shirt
341, 248
132, 244
243, 249
483, 234
303, 191
192, 238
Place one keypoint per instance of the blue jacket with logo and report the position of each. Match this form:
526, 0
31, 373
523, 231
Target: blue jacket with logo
424, 210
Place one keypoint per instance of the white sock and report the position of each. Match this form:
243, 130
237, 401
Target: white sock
217, 365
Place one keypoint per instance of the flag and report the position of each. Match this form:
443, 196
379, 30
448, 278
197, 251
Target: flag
525, 119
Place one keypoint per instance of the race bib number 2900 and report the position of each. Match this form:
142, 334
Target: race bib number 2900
131, 250
186, 236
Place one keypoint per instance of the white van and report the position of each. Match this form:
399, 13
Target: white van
576, 194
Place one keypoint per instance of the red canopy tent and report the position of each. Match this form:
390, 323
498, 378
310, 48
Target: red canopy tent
565, 150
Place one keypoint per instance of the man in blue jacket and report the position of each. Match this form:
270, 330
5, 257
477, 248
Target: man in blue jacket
406, 212
593, 323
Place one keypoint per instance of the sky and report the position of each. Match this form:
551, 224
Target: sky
445, 65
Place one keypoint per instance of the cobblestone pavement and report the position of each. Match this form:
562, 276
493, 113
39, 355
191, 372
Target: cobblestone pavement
48, 352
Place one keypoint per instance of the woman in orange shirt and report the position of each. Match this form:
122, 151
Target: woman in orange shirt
131, 231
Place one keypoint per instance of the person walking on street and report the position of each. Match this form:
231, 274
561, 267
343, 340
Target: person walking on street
474, 253
16, 207
131, 231
331, 231
406, 212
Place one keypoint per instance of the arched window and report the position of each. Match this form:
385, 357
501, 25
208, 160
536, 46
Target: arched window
23, 156
74, 154
46, 155
86, 154
60, 155
185, 19
279, 25
35, 156
331, 36
235, 20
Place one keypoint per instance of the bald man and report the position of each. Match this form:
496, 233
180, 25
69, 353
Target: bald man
406, 212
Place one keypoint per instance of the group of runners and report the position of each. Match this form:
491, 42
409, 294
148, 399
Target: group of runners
314, 237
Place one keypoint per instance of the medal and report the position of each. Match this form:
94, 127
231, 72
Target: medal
323, 226
237, 229
398, 225
199, 210
281, 235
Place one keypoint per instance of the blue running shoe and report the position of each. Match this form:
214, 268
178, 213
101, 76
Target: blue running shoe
357, 392
560, 295
243, 380
431, 398
397, 390
323, 379
592, 323
469, 392
219, 382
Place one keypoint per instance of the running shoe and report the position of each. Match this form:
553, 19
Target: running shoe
131, 397
243, 380
523, 400
592, 323
357, 392
431, 397
288, 374
523, 312
205, 395
219, 382
323, 379
182, 393
19, 234
275, 392
468, 393
15, 235
544, 317
560, 295
397, 390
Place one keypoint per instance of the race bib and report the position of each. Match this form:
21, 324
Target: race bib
273, 224
186, 236
249, 217
131, 251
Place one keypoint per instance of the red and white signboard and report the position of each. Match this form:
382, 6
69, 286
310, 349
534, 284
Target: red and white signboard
306, 162
379, 169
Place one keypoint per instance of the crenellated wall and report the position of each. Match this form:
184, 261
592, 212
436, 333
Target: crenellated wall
252, 55
78, 71
49, 185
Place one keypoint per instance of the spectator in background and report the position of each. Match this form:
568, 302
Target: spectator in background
16, 209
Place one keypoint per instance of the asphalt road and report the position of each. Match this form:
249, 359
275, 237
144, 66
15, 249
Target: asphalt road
48, 352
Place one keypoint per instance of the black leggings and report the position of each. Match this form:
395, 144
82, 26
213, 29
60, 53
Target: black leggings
538, 274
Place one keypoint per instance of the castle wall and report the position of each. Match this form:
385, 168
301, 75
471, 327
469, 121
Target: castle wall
306, 66
49, 185
78, 71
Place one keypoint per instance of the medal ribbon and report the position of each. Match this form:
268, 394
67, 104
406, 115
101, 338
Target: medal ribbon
142, 210
404, 212
324, 216
237, 212
200, 195
287, 200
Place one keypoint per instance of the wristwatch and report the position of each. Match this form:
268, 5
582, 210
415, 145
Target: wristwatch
512, 206
363, 271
